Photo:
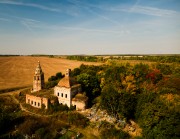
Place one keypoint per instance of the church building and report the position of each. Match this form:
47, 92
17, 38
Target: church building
68, 92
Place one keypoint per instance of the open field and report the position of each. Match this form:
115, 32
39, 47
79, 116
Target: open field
18, 71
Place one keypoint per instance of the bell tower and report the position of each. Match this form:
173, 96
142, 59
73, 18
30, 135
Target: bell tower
68, 71
38, 80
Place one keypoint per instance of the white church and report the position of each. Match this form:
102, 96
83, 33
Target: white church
68, 92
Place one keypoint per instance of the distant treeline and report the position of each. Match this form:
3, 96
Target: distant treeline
161, 59
85, 58
50, 56
42, 55
8, 55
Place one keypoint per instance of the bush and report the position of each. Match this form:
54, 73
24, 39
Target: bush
42, 127
77, 119
109, 131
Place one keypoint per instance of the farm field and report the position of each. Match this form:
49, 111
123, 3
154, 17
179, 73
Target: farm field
18, 71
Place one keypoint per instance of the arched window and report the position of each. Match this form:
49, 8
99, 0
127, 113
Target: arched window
62, 95
57, 94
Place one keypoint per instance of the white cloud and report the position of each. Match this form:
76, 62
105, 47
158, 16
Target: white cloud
59, 8
42, 7
153, 11
89, 7
41, 25
146, 10
136, 8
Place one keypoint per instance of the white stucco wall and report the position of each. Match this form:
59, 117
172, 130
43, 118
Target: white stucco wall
70, 92
63, 94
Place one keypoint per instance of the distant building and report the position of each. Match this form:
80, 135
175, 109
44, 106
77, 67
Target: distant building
38, 80
68, 92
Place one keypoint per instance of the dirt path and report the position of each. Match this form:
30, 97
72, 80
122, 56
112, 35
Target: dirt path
12, 93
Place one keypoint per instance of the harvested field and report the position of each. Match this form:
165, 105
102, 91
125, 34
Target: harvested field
18, 71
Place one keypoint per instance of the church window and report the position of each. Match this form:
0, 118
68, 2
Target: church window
35, 103
31, 102
62, 95
66, 96
38, 104
57, 94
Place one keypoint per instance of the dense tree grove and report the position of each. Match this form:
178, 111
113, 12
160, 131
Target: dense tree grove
146, 93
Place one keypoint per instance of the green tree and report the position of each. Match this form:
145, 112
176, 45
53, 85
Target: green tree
59, 75
90, 85
164, 68
140, 71
110, 100
76, 72
159, 121
116, 103
127, 104
52, 78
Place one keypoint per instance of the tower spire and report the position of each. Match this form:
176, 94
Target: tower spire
38, 81
68, 73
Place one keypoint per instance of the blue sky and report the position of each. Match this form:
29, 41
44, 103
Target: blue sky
89, 27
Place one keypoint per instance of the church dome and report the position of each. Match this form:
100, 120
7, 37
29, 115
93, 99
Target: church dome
67, 82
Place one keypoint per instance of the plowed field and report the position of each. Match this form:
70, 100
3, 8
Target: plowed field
18, 71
